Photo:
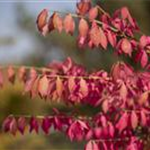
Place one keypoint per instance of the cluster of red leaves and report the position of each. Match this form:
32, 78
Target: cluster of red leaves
97, 29
99, 130
70, 83
122, 95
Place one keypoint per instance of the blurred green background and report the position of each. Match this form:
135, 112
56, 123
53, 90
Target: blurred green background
20, 43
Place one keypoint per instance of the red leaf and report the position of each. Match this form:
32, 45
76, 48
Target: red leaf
34, 125
69, 24
124, 12
46, 124
89, 134
97, 132
6, 123
83, 28
11, 74
134, 120
111, 130
126, 46
21, 124
13, 126
93, 13
42, 19
123, 122
104, 146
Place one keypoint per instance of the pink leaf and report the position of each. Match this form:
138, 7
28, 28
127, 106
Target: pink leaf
83, 87
103, 39
91, 145
126, 46
83, 28
124, 12
123, 122
21, 124
71, 84
105, 106
69, 24
143, 118
42, 19
134, 120
144, 59
43, 86
93, 13
111, 38
111, 130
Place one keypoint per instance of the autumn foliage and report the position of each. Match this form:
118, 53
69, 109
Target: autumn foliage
122, 96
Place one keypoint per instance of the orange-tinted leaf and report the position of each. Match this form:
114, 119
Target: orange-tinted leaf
42, 19
103, 38
22, 74
83, 87
105, 106
58, 23
93, 13
91, 145
51, 22
45, 30
83, 28
69, 24
95, 34
59, 86
123, 91
83, 7
30, 82
43, 85
111, 38
11, 74
134, 120
126, 46
143, 98
144, 59
71, 84
143, 118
